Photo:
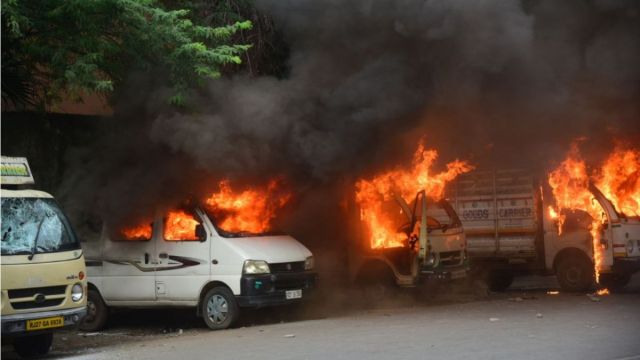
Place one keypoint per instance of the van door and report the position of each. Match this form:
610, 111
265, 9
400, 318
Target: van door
184, 258
610, 220
128, 268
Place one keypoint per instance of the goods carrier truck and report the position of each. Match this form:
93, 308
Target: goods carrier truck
509, 231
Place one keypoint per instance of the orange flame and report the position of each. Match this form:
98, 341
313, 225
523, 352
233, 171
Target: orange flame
372, 194
553, 214
570, 186
250, 210
180, 226
140, 232
619, 180
602, 292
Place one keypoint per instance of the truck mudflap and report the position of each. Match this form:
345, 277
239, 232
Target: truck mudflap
41, 322
276, 289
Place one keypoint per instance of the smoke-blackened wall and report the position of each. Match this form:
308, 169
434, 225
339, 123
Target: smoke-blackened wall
488, 80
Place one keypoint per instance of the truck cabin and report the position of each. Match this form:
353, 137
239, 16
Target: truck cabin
441, 218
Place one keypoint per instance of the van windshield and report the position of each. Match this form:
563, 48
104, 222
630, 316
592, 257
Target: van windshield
214, 217
34, 225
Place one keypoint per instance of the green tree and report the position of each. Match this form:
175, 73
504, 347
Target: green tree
55, 48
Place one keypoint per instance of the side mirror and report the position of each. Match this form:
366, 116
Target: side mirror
201, 234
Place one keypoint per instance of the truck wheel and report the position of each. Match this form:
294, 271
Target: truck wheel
574, 274
97, 313
499, 280
219, 308
34, 345
614, 282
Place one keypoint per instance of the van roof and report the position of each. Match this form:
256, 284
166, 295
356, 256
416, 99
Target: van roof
5, 193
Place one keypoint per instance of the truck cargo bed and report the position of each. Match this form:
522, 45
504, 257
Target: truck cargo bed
499, 212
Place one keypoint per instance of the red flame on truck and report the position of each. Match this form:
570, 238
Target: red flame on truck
618, 178
372, 194
570, 186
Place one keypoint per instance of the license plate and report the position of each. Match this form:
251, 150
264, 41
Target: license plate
45, 323
293, 294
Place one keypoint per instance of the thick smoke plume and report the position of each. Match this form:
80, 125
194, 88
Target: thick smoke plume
488, 80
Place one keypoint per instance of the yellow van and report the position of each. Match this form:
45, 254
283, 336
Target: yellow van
43, 271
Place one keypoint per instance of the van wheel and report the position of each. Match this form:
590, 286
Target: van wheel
34, 345
575, 274
97, 313
499, 280
614, 282
219, 308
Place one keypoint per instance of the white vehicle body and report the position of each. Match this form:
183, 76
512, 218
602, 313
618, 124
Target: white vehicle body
159, 272
508, 228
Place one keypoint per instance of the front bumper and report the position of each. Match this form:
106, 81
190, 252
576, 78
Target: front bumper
271, 289
16, 324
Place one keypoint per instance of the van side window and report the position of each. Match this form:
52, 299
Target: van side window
180, 225
140, 232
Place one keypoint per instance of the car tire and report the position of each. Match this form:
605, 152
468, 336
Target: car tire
33, 345
575, 274
219, 308
499, 280
97, 313
614, 282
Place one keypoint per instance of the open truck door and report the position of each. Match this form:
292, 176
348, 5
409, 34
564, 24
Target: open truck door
619, 242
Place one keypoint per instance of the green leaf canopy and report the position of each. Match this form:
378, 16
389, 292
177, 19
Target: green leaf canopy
64, 48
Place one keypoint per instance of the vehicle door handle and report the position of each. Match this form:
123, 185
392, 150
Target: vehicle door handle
146, 258
163, 255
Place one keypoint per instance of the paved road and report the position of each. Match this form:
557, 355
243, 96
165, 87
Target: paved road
526, 323
571, 327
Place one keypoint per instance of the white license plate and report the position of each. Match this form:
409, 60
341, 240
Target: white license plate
293, 294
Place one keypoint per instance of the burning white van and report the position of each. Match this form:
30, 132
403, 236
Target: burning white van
184, 259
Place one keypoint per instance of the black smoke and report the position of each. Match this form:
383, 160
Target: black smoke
498, 82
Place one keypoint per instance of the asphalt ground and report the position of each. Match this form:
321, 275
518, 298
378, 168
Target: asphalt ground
529, 321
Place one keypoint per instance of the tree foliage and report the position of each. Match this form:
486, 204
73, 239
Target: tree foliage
52, 48
269, 52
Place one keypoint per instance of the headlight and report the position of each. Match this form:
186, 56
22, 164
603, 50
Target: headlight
629, 246
76, 292
309, 263
255, 267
